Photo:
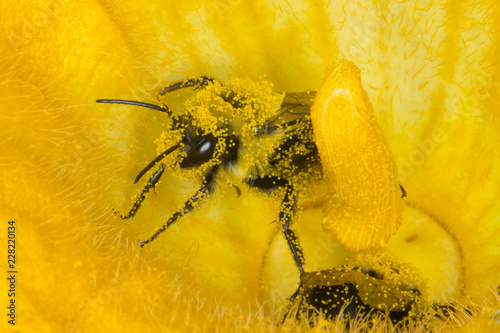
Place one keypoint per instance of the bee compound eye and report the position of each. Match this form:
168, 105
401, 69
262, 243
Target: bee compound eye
202, 151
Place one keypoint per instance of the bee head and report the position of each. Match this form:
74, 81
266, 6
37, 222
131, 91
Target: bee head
199, 147
216, 121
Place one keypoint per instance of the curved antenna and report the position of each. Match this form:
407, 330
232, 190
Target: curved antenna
156, 160
144, 105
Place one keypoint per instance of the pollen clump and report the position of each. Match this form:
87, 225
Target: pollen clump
364, 206
241, 103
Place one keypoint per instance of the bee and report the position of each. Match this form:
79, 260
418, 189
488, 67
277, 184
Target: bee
232, 129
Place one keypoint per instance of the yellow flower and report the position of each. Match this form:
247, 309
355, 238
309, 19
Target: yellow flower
430, 71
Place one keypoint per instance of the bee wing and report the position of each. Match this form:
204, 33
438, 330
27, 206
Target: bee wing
295, 106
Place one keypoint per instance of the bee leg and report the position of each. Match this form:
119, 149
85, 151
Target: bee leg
205, 190
199, 82
287, 210
290, 304
403, 191
150, 184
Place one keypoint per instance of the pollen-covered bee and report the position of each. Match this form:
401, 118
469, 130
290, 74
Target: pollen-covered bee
240, 130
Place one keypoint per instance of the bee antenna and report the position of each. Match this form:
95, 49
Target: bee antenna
163, 108
156, 160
